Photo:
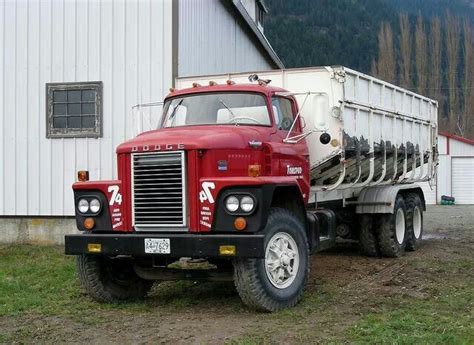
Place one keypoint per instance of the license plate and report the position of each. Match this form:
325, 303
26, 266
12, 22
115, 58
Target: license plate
157, 246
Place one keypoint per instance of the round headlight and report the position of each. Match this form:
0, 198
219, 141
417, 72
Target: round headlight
247, 204
232, 204
94, 205
83, 206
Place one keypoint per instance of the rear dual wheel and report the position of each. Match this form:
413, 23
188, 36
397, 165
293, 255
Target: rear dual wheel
392, 230
390, 234
414, 221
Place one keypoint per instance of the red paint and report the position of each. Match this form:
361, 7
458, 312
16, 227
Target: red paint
205, 146
119, 223
457, 137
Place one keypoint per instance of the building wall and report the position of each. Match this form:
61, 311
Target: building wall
444, 173
215, 40
125, 44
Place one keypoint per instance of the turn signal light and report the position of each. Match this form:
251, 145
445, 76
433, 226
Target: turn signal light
89, 223
240, 223
254, 170
83, 175
94, 247
227, 250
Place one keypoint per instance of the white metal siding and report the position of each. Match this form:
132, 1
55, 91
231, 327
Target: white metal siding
463, 180
442, 145
125, 44
458, 148
214, 40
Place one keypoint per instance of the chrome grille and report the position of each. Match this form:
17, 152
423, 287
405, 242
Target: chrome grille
158, 187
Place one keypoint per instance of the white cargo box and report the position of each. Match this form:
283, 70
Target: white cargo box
380, 133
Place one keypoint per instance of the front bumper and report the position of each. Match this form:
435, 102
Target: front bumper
181, 245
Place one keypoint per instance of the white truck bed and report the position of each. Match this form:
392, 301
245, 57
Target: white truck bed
380, 133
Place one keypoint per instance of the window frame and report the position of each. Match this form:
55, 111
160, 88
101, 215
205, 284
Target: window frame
263, 95
96, 132
298, 126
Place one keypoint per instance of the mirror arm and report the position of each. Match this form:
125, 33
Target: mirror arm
297, 138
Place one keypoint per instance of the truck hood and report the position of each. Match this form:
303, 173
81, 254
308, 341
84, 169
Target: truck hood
196, 137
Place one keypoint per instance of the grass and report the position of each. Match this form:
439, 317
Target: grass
41, 280
444, 316
35, 278
447, 320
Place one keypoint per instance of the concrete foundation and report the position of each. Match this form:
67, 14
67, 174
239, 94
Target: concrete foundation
47, 230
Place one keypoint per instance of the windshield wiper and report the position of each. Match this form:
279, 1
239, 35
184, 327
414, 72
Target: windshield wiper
173, 114
225, 105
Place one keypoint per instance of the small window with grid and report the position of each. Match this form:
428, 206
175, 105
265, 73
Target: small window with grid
74, 110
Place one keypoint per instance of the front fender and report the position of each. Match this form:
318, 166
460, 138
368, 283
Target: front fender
211, 211
110, 193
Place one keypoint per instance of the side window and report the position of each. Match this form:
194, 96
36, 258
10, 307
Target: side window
282, 107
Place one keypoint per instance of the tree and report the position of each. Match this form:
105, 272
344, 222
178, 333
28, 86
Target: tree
386, 67
405, 51
421, 55
452, 51
435, 59
464, 123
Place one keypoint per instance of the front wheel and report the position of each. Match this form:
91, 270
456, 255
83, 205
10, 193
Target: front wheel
111, 280
278, 280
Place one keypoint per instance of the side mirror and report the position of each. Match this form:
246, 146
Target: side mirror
321, 110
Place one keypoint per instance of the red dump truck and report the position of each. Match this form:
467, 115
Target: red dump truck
252, 174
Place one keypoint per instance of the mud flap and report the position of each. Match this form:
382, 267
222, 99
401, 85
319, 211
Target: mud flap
322, 230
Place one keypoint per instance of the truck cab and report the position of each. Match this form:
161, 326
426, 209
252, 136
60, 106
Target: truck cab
207, 185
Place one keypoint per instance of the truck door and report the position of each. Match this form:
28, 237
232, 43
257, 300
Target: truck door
294, 157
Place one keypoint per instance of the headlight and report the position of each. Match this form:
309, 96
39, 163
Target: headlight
83, 206
247, 204
94, 205
232, 204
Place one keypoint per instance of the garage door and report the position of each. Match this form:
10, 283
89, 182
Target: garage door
462, 177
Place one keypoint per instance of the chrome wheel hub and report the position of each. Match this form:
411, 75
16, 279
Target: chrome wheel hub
282, 260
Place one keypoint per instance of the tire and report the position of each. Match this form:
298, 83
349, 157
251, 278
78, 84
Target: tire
367, 239
258, 285
392, 237
110, 280
414, 221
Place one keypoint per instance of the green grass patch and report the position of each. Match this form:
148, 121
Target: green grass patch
41, 279
444, 317
35, 278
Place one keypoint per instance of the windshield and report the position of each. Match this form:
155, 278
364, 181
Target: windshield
216, 109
